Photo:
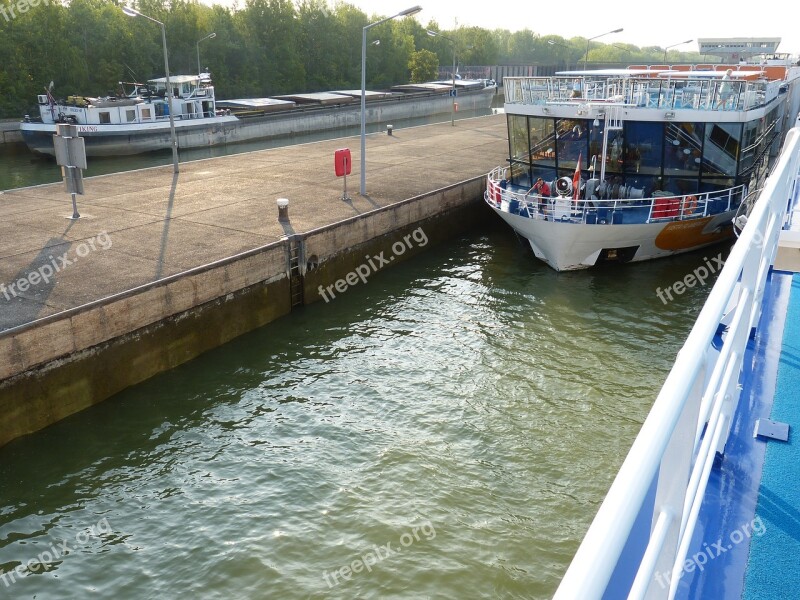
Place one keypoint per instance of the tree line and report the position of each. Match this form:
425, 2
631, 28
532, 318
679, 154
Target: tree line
265, 48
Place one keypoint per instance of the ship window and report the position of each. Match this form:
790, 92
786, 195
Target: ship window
518, 137
130, 115
520, 174
572, 142
105, 117
643, 151
543, 140
679, 186
615, 152
683, 149
721, 149
146, 113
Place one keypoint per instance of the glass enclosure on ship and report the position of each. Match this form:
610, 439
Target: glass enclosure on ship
643, 158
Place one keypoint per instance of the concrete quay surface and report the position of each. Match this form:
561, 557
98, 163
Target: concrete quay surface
140, 226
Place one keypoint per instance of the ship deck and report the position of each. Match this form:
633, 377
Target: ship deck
773, 570
749, 524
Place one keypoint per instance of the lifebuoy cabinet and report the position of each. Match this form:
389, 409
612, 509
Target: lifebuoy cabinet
342, 161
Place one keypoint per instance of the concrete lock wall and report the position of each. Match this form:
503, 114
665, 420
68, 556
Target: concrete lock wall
10, 132
60, 365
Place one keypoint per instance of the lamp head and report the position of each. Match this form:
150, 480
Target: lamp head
211, 36
130, 12
409, 11
431, 33
617, 30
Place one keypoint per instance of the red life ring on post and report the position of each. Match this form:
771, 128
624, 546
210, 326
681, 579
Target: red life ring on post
689, 205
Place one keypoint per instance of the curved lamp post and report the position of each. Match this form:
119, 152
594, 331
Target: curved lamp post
173, 137
554, 43
453, 93
210, 36
586, 58
407, 12
673, 45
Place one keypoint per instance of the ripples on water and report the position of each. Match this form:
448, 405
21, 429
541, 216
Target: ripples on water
471, 393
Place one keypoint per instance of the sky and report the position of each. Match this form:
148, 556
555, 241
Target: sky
660, 24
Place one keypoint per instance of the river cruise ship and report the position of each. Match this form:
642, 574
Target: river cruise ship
638, 163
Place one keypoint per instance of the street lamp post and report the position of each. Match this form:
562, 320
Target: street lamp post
407, 12
210, 36
586, 58
453, 92
173, 137
554, 43
673, 45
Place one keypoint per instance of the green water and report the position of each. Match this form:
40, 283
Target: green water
469, 408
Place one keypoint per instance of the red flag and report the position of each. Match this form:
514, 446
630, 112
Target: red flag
576, 179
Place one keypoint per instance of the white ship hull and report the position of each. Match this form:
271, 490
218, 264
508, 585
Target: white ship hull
567, 246
136, 138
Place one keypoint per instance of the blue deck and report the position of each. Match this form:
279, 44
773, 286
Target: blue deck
748, 535
773, 570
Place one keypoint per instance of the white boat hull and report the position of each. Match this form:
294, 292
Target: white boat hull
128, 139
567, 246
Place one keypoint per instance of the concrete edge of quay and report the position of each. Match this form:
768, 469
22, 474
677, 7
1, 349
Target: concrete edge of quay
56, 366
10, 132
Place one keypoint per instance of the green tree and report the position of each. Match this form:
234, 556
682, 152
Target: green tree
424, 66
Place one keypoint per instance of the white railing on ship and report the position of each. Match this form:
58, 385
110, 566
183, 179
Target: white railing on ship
697, 94
659, 209
699, 394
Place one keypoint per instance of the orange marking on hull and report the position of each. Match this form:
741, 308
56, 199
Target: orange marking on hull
683, 235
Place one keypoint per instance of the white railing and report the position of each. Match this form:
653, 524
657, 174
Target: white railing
601, 211
697, 94
699, 395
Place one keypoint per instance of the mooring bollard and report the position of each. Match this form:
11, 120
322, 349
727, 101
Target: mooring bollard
283, 209
389, 130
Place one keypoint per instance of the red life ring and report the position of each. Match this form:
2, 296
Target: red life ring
689, 205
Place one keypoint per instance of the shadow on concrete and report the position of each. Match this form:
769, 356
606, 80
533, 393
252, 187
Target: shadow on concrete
349, 202
165, 233
287, 227
17, 306
371, 201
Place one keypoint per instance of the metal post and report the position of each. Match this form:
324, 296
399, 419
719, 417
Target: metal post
173, 136
210, 36
363, 190
405, 13
75, 214
453, 110
586, 58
